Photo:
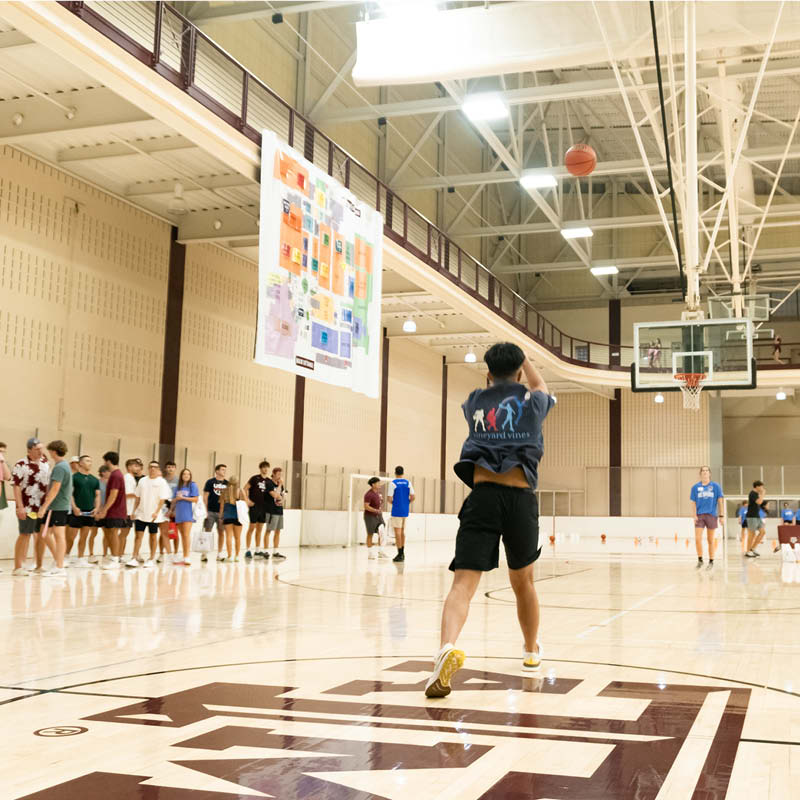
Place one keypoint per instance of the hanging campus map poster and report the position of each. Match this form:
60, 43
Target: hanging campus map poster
319, 274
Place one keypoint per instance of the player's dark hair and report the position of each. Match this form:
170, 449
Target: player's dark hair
398, 470
111, 457
84, 456
220, 466
170, 464
785, 505
504, 360
372, 481
756, 484
3, 444
58, 447
264, 465
103, 469
154, 462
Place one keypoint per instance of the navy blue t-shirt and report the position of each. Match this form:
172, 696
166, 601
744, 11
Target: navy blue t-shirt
505, 431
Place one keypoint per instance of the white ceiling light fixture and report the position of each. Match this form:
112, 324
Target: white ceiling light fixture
470, 356
577, 233
409, 326
177, 204
537, 180
483, 107
610, 269
780, 395
659, 398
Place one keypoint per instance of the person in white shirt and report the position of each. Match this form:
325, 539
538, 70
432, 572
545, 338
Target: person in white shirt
132, 477
151, 493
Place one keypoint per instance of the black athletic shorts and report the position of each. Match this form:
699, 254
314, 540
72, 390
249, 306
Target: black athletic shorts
29, 525
58, 519
493, 512
232, 521
257, 514
142, 526
112, 522
76, 521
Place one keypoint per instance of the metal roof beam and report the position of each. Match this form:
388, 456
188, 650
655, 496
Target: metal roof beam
243, 11
777, 212
14, 39
167, 187
89, 110
568, 90
771, 256
201, 226
92, 152
603, 169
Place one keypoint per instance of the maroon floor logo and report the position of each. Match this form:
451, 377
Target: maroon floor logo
60, 730
641, 751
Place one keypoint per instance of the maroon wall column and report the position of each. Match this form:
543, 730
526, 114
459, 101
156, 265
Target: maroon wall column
173, 326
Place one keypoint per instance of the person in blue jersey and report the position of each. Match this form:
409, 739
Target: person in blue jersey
401, 496
501, 466
707, 497
742, 514
787, 515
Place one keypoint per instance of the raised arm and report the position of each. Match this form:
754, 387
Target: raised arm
535, 380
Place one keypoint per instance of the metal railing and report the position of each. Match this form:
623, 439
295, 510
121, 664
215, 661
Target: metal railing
157, 35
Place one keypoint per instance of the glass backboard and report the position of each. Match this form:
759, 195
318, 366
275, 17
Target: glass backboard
756, 307
721, 349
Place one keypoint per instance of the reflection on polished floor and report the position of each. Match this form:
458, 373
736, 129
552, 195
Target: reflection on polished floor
304, 680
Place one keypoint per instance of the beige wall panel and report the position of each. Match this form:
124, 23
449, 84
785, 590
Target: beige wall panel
663, 434
760, 430
260, 52
342, 428
82, 304
415, 409
460, 382
226, 401
576, 432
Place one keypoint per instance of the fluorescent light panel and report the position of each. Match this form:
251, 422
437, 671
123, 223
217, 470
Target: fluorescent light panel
576, 233
607, 270
481, 107
538, 181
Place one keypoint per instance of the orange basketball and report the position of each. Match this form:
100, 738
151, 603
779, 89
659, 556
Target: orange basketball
580, 160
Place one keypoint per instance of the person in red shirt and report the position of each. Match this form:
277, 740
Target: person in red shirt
373, 518
114, 513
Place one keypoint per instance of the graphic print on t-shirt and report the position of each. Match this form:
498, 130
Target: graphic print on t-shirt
214, 487
32, 478
706, 496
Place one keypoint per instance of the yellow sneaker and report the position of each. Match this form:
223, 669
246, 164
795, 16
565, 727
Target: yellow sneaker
531, 662
448, 662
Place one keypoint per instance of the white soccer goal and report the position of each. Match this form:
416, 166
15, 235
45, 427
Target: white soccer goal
355, 505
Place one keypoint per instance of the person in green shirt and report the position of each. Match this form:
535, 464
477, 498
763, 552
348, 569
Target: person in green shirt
85, 502
57, 504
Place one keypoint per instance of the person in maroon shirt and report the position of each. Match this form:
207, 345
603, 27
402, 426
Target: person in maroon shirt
373, 518
113, 516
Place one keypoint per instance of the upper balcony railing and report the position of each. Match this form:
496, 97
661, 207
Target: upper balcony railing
157, 35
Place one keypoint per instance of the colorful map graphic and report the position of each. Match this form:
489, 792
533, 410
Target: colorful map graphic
319, 274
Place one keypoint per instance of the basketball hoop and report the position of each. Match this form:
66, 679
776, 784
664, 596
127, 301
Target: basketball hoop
691, 384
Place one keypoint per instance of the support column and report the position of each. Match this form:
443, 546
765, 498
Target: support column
173, 327
443, 440
715, 451
614, 331
296, 488
615, 455
384, 404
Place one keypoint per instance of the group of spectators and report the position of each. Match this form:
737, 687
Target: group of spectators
60, 503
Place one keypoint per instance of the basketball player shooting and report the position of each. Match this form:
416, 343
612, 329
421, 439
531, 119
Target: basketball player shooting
502, 468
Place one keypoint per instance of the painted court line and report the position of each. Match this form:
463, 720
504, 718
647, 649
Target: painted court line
626, 611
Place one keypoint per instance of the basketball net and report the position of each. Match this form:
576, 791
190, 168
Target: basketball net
691, 384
